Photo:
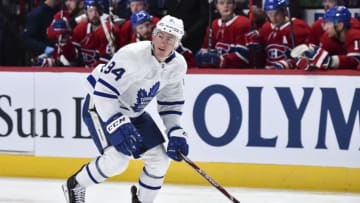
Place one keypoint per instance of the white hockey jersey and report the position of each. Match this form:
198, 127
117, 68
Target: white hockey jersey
132, 78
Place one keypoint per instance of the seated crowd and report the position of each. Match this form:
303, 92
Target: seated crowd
88, 32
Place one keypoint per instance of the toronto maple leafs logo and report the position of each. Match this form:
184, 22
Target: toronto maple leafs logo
144, 98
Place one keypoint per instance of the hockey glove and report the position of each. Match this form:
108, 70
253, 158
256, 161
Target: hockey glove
205, 58
281, 64
302, 63
318, 57
177, 143
124, 136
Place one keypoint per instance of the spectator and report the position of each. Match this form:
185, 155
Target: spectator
143, 29
126, 29
339, 46
280, 34
37, 22
224, 45
96, 39
195, 15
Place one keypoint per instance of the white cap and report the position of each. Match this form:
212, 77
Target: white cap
171, 25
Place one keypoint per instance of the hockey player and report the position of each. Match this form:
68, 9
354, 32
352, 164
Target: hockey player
280, 34
224, 43
317, 28
126, 29
339, 47
143, 27
114, 111
65, 53
71, 15
97, 39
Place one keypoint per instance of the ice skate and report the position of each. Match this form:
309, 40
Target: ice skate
74, 193
134, 198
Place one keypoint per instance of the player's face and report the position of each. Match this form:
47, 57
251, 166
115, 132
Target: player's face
93, 15
276, 17
145, 30
71, 5
226, 8
330, 29
137, 6
163, 44
327, 4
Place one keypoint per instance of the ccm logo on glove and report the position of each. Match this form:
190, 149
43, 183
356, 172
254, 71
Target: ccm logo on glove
111, 127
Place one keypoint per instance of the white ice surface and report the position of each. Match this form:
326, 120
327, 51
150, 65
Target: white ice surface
19, 190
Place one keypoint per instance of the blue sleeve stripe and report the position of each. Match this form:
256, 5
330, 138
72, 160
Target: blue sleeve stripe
172, 129
91, 80
102, 94
170, 103
112, 88
162, 113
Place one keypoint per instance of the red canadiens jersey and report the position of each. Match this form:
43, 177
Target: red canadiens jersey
229, 38
277, 40
51, 33
348, 52
68, 51
94, 45
127, 33
317, 30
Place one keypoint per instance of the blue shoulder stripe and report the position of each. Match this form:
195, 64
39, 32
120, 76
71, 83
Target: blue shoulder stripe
170, 103
162, 113
112, 88
91, 80
102, 94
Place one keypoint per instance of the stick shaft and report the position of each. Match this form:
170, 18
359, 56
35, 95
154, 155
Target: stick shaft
209, 179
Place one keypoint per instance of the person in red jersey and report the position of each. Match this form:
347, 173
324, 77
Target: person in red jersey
96, 39
280, 34
317, 28
60, 31
339, 47
224, 43
126, 30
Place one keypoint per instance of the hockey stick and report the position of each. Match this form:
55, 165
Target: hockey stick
292, 32
209, 179
209, 25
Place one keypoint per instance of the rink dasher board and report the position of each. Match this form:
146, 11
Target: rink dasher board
248, 126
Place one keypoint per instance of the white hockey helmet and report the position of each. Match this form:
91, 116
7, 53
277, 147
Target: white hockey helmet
171, 25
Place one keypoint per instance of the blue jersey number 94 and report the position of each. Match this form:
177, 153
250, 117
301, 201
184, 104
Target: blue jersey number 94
109, 68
